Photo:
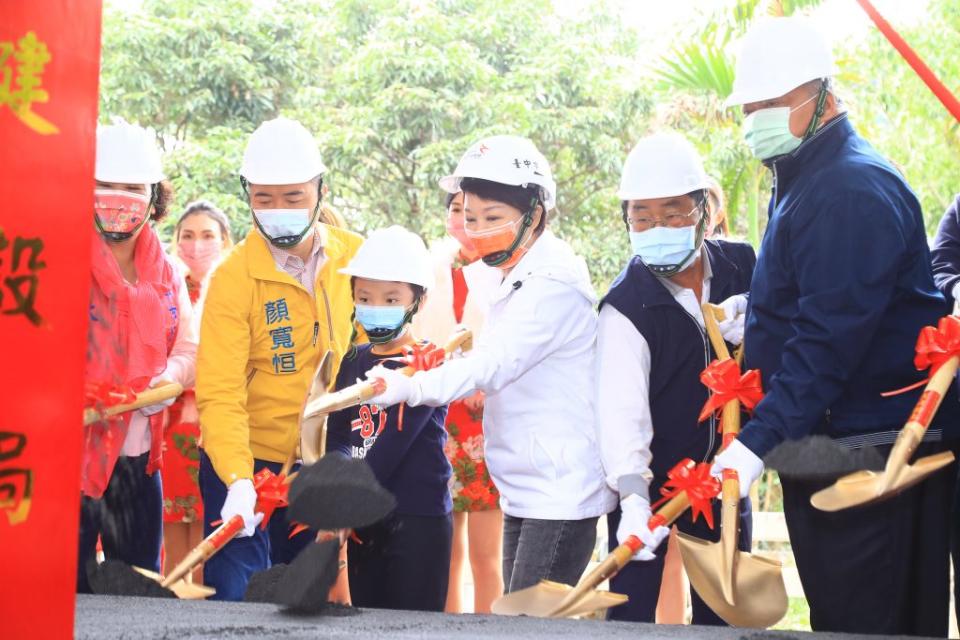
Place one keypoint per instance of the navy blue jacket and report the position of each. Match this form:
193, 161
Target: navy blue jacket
946, 251
410, 463
679, 351
842, 287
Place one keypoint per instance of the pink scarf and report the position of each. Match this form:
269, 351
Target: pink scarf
132, 330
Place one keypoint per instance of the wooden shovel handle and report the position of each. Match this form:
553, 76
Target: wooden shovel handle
710, 314
363, 391
144, 399
207, 548
619, 557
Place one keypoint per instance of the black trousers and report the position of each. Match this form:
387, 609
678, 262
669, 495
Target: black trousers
401, 563
128, 518
881, 568
640, 579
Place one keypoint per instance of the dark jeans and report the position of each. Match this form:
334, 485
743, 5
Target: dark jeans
881, 568
229, 570
128, 518
535, 550
401, 563
640, 580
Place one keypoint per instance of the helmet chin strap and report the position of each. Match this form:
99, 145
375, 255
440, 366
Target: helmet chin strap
667, 271
500, 257
116, 237
284, 242
393, 334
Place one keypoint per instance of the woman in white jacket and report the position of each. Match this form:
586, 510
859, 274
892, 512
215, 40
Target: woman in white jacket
464, 285
534, 362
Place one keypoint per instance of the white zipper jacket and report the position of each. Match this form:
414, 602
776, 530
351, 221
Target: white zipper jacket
535, 362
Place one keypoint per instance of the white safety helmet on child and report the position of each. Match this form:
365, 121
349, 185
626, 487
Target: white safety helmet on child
127, 154
281, 151
777, 55
394, 255
662, 165
511, 160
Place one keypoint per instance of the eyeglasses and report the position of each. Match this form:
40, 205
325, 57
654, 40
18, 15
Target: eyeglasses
669, 220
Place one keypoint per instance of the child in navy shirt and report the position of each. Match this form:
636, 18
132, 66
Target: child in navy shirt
402, 562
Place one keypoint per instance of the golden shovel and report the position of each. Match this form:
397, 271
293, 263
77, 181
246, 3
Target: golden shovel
145, 398
864, 487
362, 391
549, 599
313, 429
743, 589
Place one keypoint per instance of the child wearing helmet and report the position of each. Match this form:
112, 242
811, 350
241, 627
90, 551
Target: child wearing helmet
534, 362
651, 349
402, 562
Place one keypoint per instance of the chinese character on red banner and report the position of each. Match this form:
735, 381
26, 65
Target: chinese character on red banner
21, 77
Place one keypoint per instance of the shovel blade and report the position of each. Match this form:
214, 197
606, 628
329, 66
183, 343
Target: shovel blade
758, 587
313, 429
865, 487
538, 601
547, 599
181, 588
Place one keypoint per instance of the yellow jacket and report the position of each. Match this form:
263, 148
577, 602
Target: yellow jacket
261, 339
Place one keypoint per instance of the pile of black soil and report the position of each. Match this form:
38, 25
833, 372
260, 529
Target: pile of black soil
821, 458
304, 585
338, 493
263, 584
115, 578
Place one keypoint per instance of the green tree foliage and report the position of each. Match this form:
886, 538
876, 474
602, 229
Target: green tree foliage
395, 90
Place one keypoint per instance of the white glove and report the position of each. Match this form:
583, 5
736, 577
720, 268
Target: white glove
734, 311
400, 388
241, 500
739, 458
149, 410
635, 520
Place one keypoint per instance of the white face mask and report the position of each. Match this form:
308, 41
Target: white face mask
666, 250
767, 131
283, 227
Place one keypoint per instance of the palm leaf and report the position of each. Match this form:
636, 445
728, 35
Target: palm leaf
701, 67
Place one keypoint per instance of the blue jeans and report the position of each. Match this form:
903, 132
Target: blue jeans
230, 570
640, 579
535, 550
128, 518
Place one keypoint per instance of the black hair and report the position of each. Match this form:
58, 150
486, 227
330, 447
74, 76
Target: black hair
207, 208
449, 199
699, 200
162, 195
417, 289
524, 198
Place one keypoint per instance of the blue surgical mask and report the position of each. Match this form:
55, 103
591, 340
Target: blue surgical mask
767, 132
382, 324
666, 250
283, 227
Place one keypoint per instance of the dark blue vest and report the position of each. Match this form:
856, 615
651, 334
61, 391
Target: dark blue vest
679, 351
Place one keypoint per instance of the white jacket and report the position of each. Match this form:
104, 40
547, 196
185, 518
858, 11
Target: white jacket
435, 321
535, 362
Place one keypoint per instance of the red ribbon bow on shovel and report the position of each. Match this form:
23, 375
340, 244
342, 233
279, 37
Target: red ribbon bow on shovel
420, 356
695, 480
100, 395
935, 346
272, 490
726, 383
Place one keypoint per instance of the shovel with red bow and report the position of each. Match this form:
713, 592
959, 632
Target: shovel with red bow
938, 349
689, 485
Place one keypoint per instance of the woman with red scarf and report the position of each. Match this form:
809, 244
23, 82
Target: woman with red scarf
201, 237
140, 336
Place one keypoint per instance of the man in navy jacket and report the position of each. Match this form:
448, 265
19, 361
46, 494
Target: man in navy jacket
842, 287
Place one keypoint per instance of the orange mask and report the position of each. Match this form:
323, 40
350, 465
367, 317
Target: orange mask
501, 246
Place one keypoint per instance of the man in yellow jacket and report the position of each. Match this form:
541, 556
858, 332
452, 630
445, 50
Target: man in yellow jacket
274, 306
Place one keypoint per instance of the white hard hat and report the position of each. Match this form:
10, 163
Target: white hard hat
127, 153
777, 55
281, 151
660, 166
509, 160
395, 255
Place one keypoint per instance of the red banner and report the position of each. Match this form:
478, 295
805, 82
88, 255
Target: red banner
49, 66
